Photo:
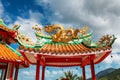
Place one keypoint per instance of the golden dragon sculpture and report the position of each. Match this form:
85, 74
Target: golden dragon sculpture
59, 34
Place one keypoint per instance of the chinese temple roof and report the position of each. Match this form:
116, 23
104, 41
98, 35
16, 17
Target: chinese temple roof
8, 54
58, 36
64, 47
3, 26
57, 46
8, 34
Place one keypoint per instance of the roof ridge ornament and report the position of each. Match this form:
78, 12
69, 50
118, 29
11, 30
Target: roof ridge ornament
5, 27
106, 40
25, 40
37, 28
59, 34
65, 35
16, 27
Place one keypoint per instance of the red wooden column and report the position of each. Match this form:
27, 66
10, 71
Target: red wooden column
16, 72
92, 70
11, 72
83, 73
5, 74
43, 72
38, 70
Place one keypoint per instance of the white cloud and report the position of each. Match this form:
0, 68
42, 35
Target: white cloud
116, 46
50, 74
115, 59
55, 73
27, 24
36, 16
29, 73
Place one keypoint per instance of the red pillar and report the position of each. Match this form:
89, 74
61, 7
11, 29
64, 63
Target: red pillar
43, 72
92, 70
11, 72
38, 70
83, 73
5, 75
16, 72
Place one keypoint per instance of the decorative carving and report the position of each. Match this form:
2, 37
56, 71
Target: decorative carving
37, 29
59, 34
64, 35
106, 40
24, 40
84, 30
16, 27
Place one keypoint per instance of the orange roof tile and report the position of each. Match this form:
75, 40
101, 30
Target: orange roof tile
66, 49
7, 55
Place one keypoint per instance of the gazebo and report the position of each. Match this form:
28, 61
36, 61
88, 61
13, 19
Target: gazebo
61, 47
10, 59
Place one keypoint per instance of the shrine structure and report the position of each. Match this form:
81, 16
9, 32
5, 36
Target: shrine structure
60, 47
10, 59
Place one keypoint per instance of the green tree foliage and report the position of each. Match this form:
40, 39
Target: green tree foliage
71, 76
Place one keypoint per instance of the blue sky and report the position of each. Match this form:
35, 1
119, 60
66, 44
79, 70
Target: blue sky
102, 16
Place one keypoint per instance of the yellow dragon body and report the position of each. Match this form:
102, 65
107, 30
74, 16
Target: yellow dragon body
64, 35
